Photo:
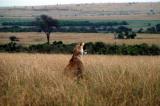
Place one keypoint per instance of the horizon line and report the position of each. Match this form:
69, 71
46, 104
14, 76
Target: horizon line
79, 3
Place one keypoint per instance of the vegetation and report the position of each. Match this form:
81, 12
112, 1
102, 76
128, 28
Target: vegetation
46, 24
31, 72
124, 33
29, 38
37, 80
13, 38
67, 23
154, 29
66, 26
141, 26
19, 29
92, 48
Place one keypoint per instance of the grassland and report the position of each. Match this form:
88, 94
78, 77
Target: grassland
99, 11
37, 79
35, 38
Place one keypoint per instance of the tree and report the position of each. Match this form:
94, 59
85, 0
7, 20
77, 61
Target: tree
151, 30
123, 29
13, 38
46, 24
13, 46
124, 33
121, 35
140, 30
132, 35
158, 27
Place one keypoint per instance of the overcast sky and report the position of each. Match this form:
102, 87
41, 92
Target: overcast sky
52, 2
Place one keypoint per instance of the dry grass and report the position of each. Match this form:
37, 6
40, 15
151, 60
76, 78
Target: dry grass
35, 38
98, 11
37, 80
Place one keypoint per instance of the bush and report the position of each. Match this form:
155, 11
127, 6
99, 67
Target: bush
12, 47
92, 48
124, 33
13, 38
153, 29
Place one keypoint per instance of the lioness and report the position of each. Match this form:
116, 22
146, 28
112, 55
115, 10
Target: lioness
75, 67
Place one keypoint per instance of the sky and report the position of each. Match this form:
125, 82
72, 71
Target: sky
6, 3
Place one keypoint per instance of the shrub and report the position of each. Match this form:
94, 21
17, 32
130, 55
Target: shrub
92, 48
13, 38
12, 47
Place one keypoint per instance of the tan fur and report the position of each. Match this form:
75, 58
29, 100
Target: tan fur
75, 67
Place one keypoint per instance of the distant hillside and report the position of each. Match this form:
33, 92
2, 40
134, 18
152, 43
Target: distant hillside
117, 11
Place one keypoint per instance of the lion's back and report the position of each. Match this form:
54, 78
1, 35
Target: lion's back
74, 68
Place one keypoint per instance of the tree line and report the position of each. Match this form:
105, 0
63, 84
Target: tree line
92, 48
65, 26
47, 25
153, 29
67, 23
43, 21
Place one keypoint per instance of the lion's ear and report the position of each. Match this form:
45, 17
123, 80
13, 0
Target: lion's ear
82, 44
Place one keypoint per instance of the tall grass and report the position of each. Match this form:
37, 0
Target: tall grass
37, 80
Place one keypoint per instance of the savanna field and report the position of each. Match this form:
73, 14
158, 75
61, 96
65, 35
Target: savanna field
32, 72
29, 38
38, 80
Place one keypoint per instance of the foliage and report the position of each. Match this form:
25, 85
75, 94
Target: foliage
154, 29
46, 24
21, 23
124, 33
65, 25
29, 25
12, 47
19, 29
92, 48
13, 38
